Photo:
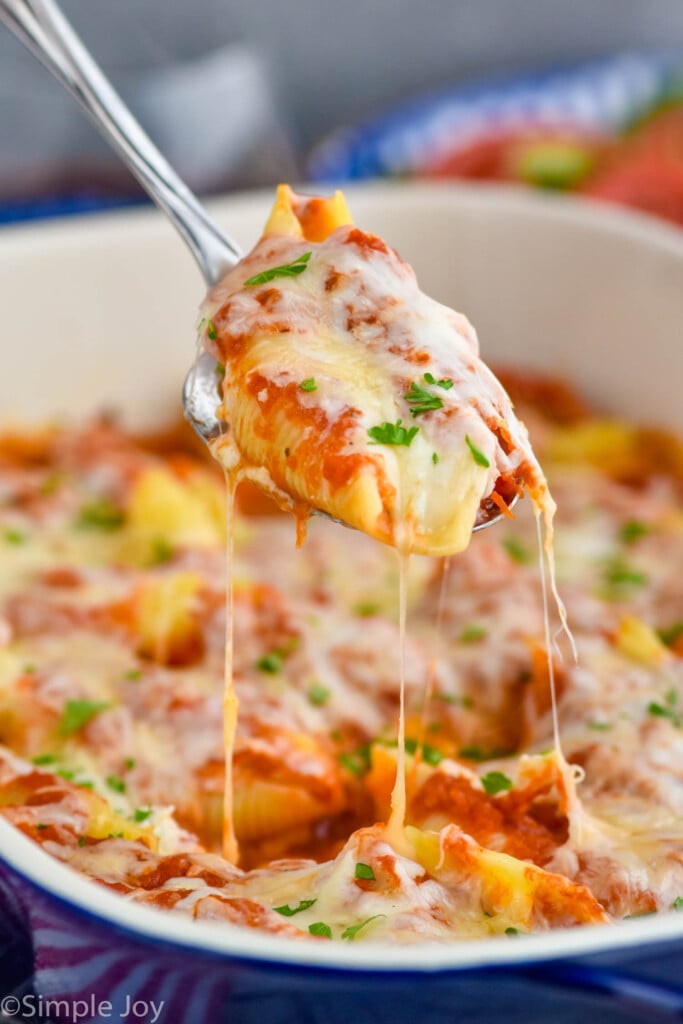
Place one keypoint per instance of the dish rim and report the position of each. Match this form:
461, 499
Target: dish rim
56, 880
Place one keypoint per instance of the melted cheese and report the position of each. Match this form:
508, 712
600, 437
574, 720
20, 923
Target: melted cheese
372, 352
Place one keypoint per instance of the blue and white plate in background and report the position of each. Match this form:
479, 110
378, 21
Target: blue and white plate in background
603, 95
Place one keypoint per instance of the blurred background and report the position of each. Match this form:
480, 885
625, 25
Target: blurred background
584, 96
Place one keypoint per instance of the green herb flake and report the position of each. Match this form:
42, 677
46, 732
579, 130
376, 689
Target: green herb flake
41, 826
496, 782
220, 371
471, 634
77, 713
431, 755
421, 401
142, 814
618, 573
353, 929
458, 701
211, 330
133, 674
65, 773
28, 670
477, 455
599, 726
677, 903
81, 840
271, 663
512, 931
288, 911
292, 269
51, 484
115, 783
162, 551
393, 433
435, 458
364, 872
309, 384
517, 551
15, 537
446, 383
671, 634
666, 710
318, 694
321, 929
633, 530
44, 759
366, 608
356, 761
476, 753
100, 514
129, 763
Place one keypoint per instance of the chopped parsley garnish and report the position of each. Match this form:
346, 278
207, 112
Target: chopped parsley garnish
162, 551
41, 826
318, 694
435, 458
619, 573
309, 384
452, 698
292, 269
211, 330
142, 814
78, 713
512, 931
633, 530
271, 663
15, 537
477, 455
366, 608
133, 674
677, 903
671, 634
475, 753
516, 550
496, 782
44, 759
81, 840
393, 433
220, 370
100, 514
471, 634
431, 755
600, 726
288, 911
353, 929
356, 761
446, 383
115, 783
668, 709
364, 872
320, 928
129, 763
421, 400
28, 670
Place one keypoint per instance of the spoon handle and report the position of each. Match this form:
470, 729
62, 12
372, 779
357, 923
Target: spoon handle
44, 30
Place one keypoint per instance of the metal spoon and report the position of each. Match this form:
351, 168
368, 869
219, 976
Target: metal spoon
44, 30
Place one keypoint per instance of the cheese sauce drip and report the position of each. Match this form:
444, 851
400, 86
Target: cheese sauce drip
348, 390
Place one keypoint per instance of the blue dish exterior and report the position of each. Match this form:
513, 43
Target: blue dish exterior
86, 958
599, 95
